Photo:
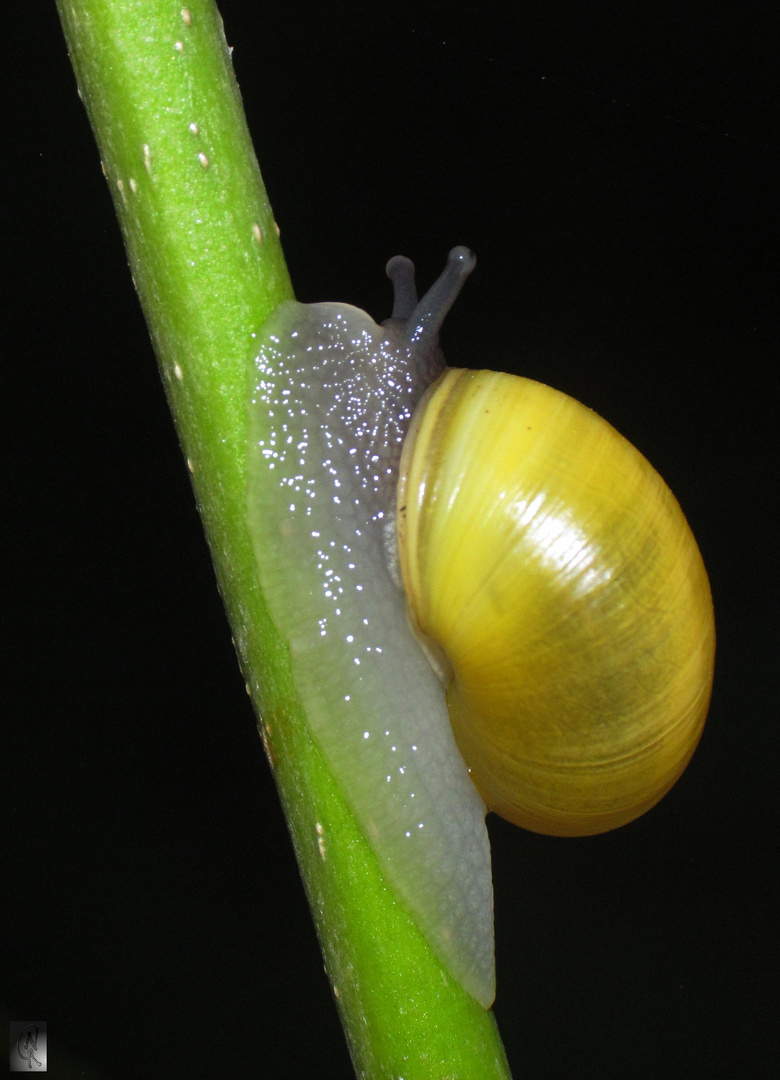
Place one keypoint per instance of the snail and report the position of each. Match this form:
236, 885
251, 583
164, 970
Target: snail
491, 599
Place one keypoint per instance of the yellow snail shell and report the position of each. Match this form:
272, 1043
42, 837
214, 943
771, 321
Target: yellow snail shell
554, 571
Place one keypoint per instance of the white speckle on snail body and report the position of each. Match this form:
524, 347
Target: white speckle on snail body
331, 399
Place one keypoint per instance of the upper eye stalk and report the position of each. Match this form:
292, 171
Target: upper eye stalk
427, 315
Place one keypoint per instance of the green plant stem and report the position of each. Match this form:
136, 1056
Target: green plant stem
159, 88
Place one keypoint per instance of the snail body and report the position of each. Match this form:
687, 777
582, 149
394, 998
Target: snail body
477, 540
332, 396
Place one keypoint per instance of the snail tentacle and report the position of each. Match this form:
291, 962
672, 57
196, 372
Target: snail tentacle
400, 270
424, 323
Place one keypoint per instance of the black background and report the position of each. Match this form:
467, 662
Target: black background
614, 169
